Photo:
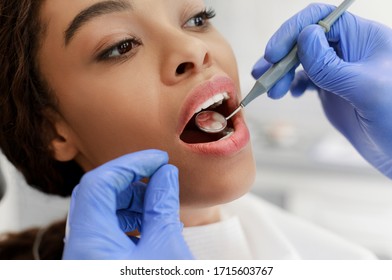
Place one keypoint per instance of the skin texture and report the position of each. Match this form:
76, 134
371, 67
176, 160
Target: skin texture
133, 102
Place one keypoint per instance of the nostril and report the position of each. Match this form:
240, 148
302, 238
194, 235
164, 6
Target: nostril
183, 67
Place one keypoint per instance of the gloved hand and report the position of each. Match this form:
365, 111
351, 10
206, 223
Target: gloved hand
110, 201
351, 67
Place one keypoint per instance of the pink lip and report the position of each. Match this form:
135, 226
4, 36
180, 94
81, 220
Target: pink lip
201, 93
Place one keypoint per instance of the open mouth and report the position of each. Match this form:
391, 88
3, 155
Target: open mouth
193, 135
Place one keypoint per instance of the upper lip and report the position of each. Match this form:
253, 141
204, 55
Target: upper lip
204, 91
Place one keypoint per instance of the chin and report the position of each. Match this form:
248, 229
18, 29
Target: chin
216, 183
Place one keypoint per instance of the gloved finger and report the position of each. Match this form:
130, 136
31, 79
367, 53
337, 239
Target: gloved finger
300, 84
131, 207
95, 200
322, 64
260, 68
132, 198
161, 223
282, 86
342, 32
285, 38
161, 204
129, 221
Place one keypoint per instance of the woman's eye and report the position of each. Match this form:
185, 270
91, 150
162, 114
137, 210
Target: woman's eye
123, 49
201, 19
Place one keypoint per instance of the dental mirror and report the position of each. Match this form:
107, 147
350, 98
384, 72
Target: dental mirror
212, 122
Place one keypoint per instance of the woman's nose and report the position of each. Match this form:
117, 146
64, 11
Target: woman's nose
184, 55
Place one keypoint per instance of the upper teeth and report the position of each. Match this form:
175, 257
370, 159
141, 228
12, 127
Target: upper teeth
216, 100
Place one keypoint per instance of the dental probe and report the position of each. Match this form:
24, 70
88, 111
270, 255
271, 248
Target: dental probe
272, 76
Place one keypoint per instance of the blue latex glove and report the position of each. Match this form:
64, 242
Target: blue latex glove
110, 201
351, 67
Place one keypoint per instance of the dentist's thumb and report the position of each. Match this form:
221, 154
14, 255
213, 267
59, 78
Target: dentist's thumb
162, 228
323, 66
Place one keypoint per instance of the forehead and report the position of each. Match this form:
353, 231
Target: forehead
60, 15
61, 10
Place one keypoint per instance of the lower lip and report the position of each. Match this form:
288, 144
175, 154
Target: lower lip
228, 146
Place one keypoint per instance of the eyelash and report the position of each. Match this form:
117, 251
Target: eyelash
204, 16
132, 43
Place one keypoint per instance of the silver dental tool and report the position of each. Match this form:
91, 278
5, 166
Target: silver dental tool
213, 122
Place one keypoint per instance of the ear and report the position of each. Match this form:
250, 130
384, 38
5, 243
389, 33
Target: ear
64, 144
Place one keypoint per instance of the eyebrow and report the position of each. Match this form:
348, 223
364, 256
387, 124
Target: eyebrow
96, 10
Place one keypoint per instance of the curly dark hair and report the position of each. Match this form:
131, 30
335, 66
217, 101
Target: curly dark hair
27, 103
34, 243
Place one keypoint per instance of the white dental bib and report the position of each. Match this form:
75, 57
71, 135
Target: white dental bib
252, 228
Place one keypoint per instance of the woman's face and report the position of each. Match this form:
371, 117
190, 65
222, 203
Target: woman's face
130, 74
